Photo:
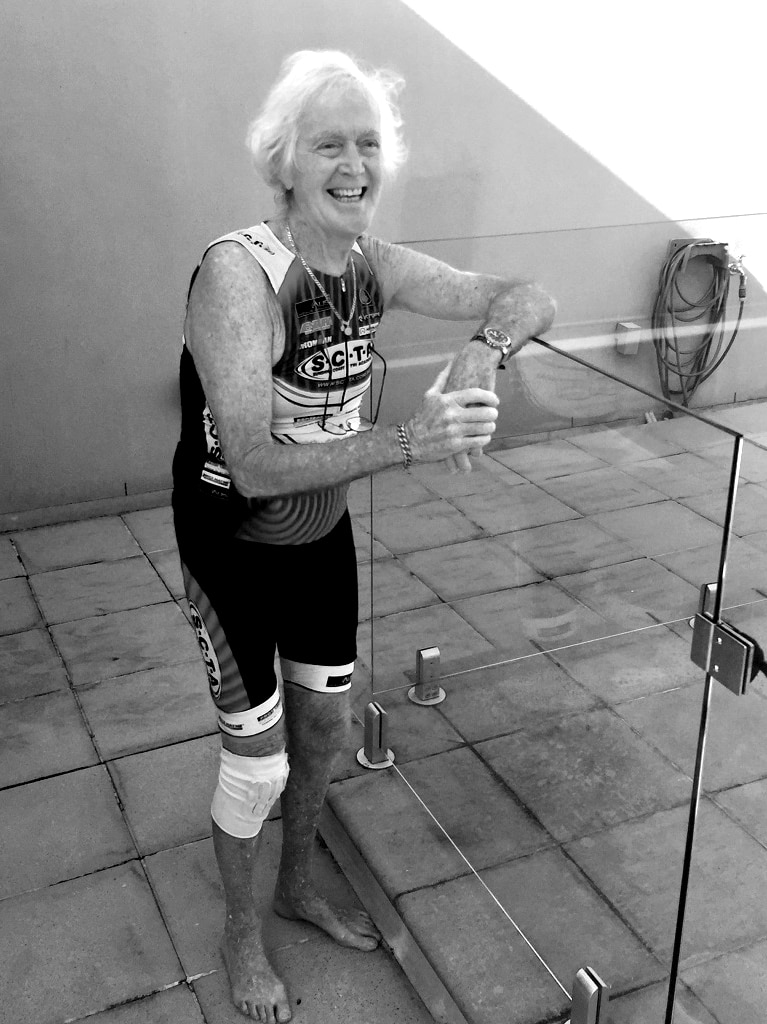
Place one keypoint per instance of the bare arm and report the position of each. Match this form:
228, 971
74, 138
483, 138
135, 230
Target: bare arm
421, 284
233, 330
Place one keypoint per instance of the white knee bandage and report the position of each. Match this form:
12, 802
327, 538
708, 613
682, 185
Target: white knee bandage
247, 790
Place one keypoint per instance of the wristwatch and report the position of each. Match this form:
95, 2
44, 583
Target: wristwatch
495, 339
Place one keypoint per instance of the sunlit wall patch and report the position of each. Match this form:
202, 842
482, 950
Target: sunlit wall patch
208, 652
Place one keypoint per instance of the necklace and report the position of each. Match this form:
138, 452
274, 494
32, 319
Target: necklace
345, 324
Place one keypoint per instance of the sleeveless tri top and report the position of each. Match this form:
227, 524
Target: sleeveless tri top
318, 386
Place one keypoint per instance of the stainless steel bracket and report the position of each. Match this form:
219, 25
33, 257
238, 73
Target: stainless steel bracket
427, 689
723, 652
590, 998
375, 753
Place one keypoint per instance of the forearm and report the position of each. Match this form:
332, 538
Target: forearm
271, 469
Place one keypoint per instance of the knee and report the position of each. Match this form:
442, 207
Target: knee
248, 787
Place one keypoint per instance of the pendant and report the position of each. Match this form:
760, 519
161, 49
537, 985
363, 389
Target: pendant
348, 331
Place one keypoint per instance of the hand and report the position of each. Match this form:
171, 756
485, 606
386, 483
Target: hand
451, 424
473, 366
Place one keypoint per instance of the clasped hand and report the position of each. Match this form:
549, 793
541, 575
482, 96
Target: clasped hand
449, 426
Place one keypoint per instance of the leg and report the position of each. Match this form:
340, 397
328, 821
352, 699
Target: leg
250, 714
318, 728
256, 989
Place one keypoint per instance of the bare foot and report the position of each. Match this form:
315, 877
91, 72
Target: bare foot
256, 990
347, 926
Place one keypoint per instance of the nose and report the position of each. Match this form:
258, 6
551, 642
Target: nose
352, 162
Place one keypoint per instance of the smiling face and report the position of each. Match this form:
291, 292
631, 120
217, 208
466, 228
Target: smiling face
336, 178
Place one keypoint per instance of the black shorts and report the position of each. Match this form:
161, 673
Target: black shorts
249, 600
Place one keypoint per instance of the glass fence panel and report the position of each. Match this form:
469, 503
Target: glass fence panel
552, 595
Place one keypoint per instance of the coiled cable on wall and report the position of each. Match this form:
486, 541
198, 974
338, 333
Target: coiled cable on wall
686, 358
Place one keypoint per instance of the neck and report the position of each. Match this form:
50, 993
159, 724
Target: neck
322, 252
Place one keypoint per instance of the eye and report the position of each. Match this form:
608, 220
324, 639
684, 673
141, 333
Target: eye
371, 144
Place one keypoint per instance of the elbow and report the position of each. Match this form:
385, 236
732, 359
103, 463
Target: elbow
542, 306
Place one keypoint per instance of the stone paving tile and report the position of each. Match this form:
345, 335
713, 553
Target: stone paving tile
687, 432
648, 1006
473, 567
542, 612
757, 540
149, 709
746, 419
398, 838
88, 944
131, 641
42, 736
735, 748
631, 665
734, 986
168, 568
463, 929
501, 700
176, 1006
395, 589
367, 547
678, 476
92, 540
601, 490
638, 864
327, 982
391, 489
10, 563
97, 588
18, 610
661, 527
750, 508
152, 528
422, 526
399, 636
566, 547
583, 773
746, 578
400, 841
167, 792
76, 824
29, 665
191, 896
636, 443
547, 459
486, 475
552, 903
633, 593
514, 509
746, 805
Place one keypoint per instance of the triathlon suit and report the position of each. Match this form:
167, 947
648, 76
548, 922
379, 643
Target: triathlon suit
277, 572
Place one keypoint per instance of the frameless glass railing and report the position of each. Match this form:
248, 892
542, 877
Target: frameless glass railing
570, 788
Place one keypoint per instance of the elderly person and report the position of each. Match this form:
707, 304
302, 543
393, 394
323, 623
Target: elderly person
278, 345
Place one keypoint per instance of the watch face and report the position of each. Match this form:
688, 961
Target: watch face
498, 337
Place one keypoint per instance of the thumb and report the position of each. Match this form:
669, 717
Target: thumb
441, 380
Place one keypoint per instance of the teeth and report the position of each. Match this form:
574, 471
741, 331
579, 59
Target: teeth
346, 193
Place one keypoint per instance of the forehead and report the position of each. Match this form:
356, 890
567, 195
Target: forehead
341, 108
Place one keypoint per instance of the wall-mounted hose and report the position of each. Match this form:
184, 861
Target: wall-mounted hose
687, 357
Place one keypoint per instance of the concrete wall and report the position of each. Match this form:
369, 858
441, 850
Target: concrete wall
123, 155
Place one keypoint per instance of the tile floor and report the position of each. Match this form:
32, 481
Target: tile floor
550, 788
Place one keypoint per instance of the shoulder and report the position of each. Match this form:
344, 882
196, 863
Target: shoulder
391, 263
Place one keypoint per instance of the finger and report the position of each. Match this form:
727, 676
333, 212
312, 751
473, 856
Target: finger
462, 462
474, 396
441, 380
484, 414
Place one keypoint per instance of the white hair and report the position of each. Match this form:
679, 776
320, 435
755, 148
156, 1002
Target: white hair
303, 77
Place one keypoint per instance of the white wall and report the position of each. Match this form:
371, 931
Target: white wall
123, 155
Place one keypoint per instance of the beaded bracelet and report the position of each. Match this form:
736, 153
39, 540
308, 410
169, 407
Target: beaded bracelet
404, 443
